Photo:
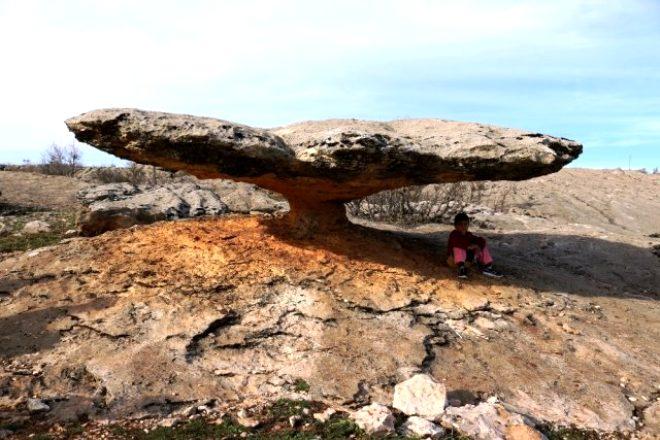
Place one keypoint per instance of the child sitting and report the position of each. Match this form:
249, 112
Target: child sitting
464, 246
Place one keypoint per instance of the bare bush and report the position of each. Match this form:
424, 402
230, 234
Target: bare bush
431, 203
61, 160
133, 173
500, 197
27, 166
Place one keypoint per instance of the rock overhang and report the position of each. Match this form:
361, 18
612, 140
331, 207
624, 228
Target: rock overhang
325, 162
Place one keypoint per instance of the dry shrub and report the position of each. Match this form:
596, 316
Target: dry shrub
61, 160
501, 193
27, 166
431, 203
133, 173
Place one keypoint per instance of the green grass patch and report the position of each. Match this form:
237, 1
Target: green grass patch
282, 409
283, 435
301, 385
28, 242
61, 222
119, 431
74, 430
274, 426
192, 430
336, 429
555, 433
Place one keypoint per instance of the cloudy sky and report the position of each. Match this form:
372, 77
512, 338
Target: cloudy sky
583, 69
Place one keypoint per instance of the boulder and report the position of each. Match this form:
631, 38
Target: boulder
36, 227
110, 191
489, 421
116, 206
246, 420
169, 422
121, 205
652, 419
420, 396
421, 428
375, 419
523, 432
325, 415
37, 405
319, 165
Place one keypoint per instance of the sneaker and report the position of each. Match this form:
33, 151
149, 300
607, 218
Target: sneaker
490, 272
462, 272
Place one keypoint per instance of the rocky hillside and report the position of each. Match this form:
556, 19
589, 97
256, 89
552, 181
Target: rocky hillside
598, 201
155, 319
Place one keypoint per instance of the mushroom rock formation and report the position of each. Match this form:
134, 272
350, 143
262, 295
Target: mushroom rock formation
319, 165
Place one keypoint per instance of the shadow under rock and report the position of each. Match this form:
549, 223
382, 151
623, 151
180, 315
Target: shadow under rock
573, 264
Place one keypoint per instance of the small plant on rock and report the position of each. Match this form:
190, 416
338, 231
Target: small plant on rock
301, 385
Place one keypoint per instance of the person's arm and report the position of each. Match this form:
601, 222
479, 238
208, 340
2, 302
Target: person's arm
451, 242
477, 241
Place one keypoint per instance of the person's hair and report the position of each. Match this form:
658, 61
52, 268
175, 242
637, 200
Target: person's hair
461, 217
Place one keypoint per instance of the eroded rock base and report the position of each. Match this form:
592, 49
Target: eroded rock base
307, 220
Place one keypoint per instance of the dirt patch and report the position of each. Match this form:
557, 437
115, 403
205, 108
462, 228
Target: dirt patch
39, 191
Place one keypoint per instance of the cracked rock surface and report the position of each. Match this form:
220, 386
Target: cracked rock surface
121, 205
155, 318
125, 205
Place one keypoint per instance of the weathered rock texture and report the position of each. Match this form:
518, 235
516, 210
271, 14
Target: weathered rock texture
156, 318
167, 316
420, 396
375, 419
121, 205
142, 207
319, 165
422, 428
489, 421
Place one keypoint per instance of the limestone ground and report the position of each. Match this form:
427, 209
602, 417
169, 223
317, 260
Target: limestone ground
142, 322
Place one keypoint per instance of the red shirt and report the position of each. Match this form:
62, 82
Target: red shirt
456, 239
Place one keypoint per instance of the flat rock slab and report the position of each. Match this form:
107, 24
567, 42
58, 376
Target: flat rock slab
325, 161
122, 205
420, 396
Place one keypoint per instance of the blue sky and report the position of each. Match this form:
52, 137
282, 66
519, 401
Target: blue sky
583, 69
